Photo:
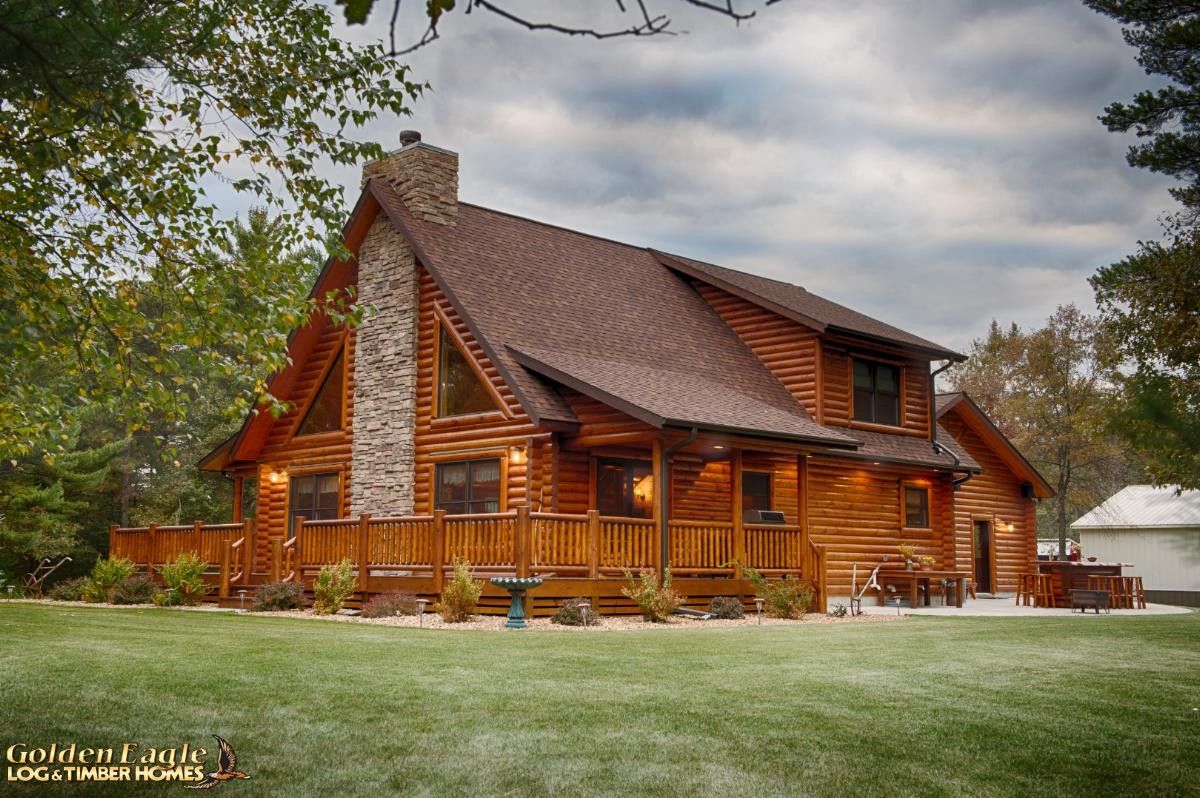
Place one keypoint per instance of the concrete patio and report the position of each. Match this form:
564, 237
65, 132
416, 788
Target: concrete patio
1003, 607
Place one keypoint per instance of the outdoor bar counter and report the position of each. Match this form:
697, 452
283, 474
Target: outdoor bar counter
1067, 575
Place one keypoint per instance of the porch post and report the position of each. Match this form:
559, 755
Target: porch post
662, 492
593, 544
521, 542
739, 532
364, 550
438, 554
226, 562
239, 482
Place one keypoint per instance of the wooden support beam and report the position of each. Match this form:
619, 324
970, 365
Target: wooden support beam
661, 497
521, 542
438, 553
739, 531
364, 550
239, 487
593, 543
226, 564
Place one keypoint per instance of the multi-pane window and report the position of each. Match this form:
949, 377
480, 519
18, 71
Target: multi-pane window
325, 413
314, 497
916, 508
469, 486
876, 392
625, 488
756, 490
459, 390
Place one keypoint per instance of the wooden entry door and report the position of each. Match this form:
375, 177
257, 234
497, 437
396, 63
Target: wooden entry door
982, 548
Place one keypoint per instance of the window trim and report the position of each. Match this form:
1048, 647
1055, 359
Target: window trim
501, 499
339, 350
770, 475
901, 371
905, 487
310, 472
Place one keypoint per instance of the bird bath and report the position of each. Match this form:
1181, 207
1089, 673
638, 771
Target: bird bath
516, 586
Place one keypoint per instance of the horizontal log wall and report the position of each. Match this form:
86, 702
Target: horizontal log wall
701, 491
284, 455
994, 495
788, 349
486, 434
854, 512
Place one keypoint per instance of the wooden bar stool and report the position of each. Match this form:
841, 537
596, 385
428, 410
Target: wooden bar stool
1025, 584
1137, 593
1043, 591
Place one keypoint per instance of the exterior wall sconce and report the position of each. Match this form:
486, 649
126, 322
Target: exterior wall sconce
275, 477
517, 455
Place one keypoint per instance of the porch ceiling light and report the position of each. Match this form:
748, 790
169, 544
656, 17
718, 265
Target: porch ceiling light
718, 446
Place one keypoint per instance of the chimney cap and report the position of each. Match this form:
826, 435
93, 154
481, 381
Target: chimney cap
409, 137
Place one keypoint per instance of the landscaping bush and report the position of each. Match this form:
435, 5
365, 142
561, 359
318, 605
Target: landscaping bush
106, 575
389, 605
572, 613
460, 595
782, 598
136, 589
184, 580
333, 585
278, 596
657, 602
69, 589
727, 608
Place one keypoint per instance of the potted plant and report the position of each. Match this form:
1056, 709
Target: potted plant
927, 563
907, 550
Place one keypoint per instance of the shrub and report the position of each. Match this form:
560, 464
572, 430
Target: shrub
136, 589
69, 589
388, 605
782, 598
727, 607
460, 595
572, 613
333, 585
656, 601
184, 580
278, 596
106, 575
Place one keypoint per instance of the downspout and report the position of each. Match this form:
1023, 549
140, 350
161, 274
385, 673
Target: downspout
664, 500
933, 406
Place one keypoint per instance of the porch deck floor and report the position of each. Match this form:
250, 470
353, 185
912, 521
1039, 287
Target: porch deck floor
1003, 607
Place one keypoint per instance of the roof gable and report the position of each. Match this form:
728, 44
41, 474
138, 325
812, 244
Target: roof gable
978, 422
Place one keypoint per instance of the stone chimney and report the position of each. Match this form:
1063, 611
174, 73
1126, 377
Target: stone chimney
425, 177
383, 467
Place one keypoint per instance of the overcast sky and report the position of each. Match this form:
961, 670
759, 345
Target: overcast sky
932, 164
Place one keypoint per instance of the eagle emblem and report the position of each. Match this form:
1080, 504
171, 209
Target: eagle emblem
226, 768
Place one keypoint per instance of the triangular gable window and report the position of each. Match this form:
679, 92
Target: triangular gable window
325, 413
459, 390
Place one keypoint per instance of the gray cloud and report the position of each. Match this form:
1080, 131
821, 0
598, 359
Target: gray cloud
935, 165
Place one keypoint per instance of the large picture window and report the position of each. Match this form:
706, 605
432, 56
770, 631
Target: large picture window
314, 497
756, 490
876, 392
469, 486
916, 508
625, 488
459, 390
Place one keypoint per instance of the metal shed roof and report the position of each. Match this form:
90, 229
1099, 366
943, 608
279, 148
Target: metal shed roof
1143, 506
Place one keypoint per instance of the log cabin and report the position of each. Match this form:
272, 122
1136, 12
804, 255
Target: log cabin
541, 401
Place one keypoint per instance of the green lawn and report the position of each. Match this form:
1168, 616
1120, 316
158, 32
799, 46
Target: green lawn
929, 706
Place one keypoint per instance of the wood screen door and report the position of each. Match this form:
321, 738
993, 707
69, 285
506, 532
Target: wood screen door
983, 556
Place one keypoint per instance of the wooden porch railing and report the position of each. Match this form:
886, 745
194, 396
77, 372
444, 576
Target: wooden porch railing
568, 546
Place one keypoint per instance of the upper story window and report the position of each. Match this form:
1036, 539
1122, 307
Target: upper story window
625, 488
459, 390
314, 497
916, 507
756, 490
469, 486
325, 412
876, 392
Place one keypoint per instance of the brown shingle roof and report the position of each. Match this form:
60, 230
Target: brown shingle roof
551, 305
801, 305
912, 450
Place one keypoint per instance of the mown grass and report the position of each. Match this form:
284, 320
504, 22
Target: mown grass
929, 706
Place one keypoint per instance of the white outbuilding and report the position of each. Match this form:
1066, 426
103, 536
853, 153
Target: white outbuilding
1156, 529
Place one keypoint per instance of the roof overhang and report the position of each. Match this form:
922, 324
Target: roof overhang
974, 417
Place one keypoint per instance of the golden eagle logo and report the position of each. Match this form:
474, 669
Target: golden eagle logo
226, 768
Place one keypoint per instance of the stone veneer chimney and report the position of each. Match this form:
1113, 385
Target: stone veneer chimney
385, 363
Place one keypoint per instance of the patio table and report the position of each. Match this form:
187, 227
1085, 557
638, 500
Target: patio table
916, 579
